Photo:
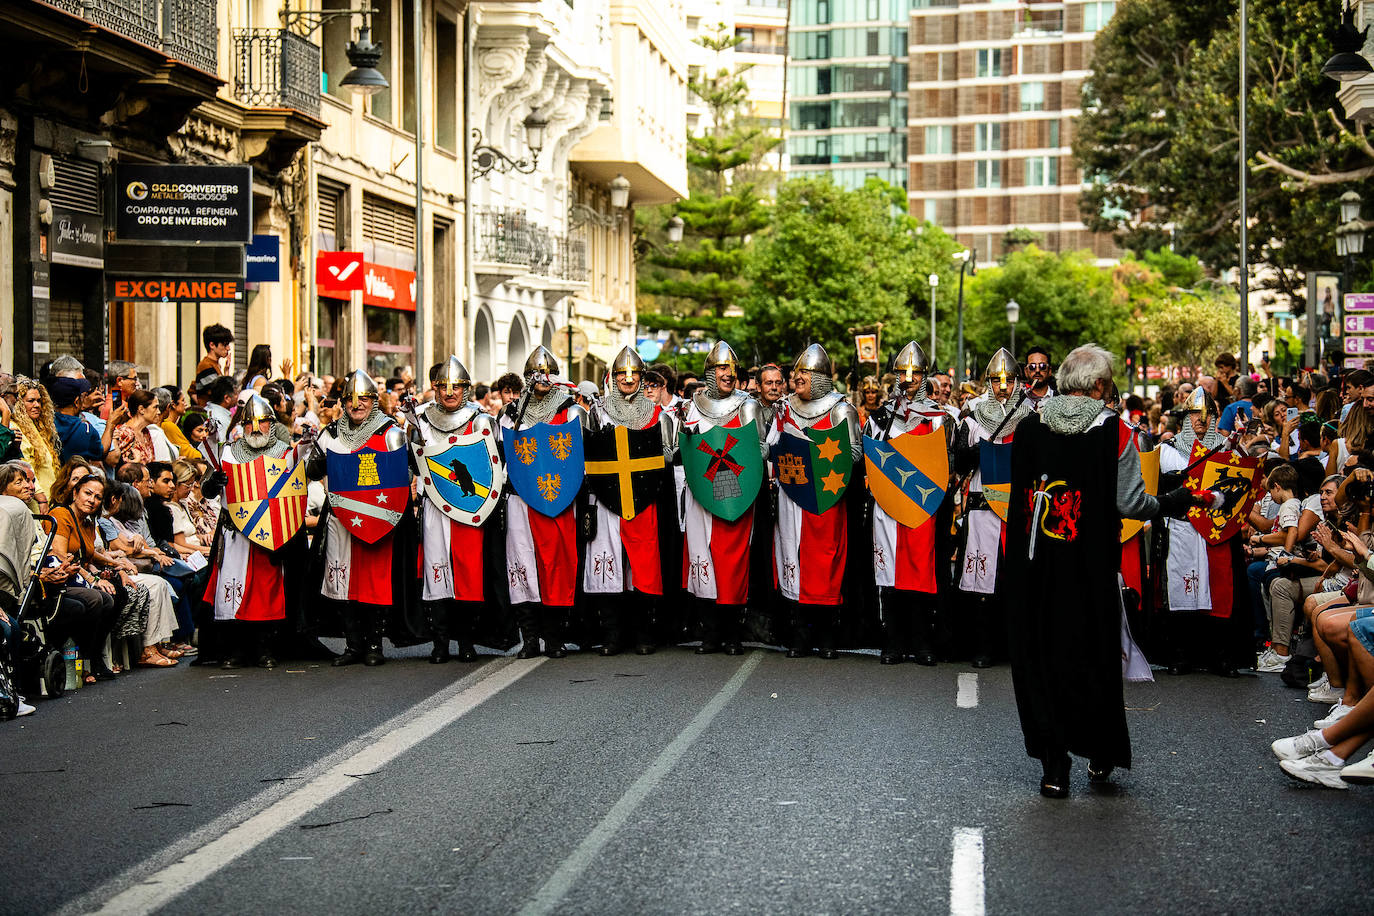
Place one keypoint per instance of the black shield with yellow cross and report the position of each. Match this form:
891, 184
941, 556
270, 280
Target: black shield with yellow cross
625, 467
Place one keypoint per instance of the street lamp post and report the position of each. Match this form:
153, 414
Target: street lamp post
1350, 236
1013, 316
967, 257
934, 284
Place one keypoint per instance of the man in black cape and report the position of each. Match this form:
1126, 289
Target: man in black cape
1075, 475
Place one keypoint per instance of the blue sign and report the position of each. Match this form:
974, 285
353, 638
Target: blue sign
545, 464
264, 259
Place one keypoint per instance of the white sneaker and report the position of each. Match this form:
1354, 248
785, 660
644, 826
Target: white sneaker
1271, 662
1362, 772
1338, 712
1321, 691
1315, 769
24, 709
1297, 747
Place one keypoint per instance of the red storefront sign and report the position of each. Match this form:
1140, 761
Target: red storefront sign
389, 287
338, 273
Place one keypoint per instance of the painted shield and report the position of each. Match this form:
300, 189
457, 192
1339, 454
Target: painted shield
908, 475
265, 499
1149, 471
1237, 479
368, 490
723, 467
625, 467
814, 471
545, 464
462, 474
994, 469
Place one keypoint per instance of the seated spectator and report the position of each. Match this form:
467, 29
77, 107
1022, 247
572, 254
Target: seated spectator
123, 541
94, 592
170, 424
131, 437
1278, 540
186, 536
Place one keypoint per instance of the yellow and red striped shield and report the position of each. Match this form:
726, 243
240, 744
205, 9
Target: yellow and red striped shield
265, 499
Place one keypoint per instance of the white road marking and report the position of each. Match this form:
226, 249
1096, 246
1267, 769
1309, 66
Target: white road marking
968, 691
163, 877
548, 897
966, 873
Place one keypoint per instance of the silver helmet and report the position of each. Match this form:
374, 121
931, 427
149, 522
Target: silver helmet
1199, 401
542, 366
452, 375
814, 359
627, 361
256, 409
910, 361
721, 355
359, 385
1002, 368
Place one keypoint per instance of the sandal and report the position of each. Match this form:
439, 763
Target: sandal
152, 658
90, 679
170, 651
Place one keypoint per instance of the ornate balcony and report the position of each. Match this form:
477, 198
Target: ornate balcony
276, 68
184, 29
510, 246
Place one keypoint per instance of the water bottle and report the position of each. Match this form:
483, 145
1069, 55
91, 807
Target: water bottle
69, 657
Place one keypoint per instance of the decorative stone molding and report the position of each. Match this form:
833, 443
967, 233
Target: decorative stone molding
502, 62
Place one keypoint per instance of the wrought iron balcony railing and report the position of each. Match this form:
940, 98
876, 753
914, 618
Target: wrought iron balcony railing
183, 29
276, 68
507, 236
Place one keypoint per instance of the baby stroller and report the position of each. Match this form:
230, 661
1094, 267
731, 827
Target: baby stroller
28, 664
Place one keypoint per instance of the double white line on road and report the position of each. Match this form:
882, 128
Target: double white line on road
160, 879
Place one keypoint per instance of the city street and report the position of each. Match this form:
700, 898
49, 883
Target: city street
664, 784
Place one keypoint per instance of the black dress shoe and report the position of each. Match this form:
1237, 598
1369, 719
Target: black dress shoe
228, 664
266, 661
1225, 669
466, 653
890, 659
734, 648
798, 653
103, 673
374, 657
347, 657
439, 655
529, 650
557, 650
924, 657
828, 654
608, 650
644, 649
1099, 773
1055, 782
1178, 668
982, 661
708, 648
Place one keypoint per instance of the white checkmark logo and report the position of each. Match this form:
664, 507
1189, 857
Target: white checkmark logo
342, 275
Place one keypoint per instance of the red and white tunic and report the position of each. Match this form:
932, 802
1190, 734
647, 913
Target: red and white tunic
985, 529
624, 555
354, 569
247, 585
541, 552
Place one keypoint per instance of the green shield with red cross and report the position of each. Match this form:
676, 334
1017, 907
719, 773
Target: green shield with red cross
724, 469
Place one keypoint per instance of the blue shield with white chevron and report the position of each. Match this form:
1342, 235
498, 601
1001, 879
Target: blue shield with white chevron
907, 474
545, 464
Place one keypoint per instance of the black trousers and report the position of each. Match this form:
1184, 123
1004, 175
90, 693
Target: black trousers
87, 617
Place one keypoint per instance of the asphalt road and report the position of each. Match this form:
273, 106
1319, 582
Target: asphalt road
663, 784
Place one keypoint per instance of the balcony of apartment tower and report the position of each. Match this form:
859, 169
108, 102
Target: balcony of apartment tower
277, 79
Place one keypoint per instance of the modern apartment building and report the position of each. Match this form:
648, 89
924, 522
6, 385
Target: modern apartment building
847, 90
995, 90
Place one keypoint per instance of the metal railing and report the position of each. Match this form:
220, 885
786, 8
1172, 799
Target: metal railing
276, 68
751, 47
183, 29
508, 236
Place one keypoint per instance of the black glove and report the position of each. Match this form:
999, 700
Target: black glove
214, 484
1176, 502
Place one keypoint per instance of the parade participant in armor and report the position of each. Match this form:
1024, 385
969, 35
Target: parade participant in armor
1075, 475
247, 575
451, 546
541, 548
811, 534
905, 553
624, 559
361, 456
719, 514
985, 435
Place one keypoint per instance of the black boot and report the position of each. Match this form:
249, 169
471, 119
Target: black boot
710, 626
373, 656
554, 618
437, 614
924, 653
892, 634
982, 635
265, 637
1055, 782
529, 631
645, 616
732, 623
355, 646
612, 625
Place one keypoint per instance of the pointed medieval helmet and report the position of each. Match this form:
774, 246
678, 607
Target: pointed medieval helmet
721, 355
1199, 401
627, 361
909, 361
1002, 368
452, 375
359, 385
814, 359
542, 366
255, 409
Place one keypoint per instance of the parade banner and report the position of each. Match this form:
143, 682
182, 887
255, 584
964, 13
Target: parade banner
462, 475
545, 464
908, 475
994, 470
368, 490
265, 499
1235, 477
625, 467
814, 471
1149, 472
723, 467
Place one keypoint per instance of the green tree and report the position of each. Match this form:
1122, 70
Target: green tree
835, 259
1159, 135
702, 277
1189, 329
1065, 300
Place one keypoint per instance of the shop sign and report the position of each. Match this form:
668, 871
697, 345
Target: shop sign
338, 273
184, 203
77, 239
263, 256
388, 287
173, 289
